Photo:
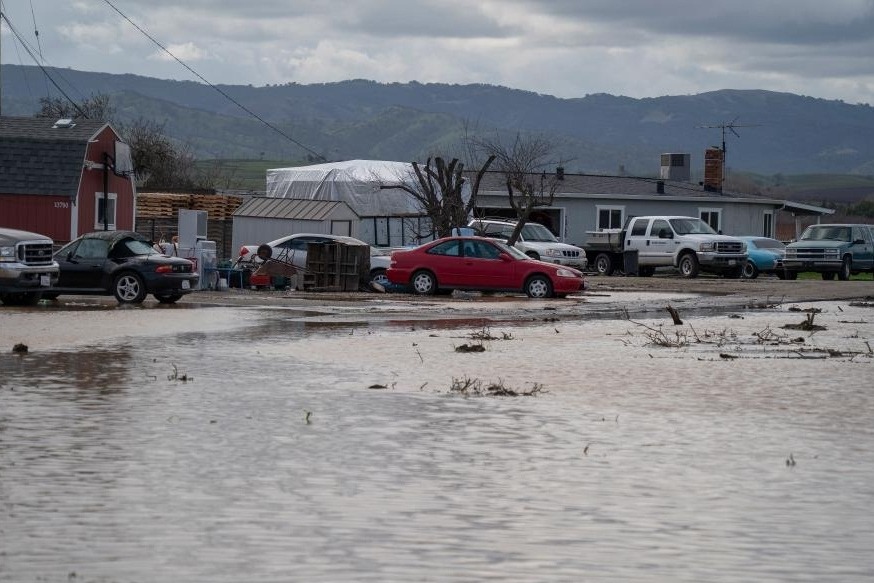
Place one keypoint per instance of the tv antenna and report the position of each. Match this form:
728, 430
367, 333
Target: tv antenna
727, 126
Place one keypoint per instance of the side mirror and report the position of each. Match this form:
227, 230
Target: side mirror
859, 242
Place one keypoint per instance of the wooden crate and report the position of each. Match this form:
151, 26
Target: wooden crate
336, 267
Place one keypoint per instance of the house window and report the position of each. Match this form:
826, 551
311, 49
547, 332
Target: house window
610, 217
768, 224
104, 208
712, 217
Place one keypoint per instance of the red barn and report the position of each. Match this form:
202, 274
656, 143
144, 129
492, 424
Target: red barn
63, 178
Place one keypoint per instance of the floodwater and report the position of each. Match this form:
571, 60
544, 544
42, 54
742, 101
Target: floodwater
221, 444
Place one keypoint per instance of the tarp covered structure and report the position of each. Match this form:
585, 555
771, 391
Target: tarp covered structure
358, 183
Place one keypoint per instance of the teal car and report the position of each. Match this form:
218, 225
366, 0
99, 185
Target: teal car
833, 250
764, 255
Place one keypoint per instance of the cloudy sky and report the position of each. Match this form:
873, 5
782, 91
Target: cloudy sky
566, 48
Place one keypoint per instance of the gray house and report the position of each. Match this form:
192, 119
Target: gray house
585, 203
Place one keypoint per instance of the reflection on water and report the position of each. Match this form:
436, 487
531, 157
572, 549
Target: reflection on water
249, 447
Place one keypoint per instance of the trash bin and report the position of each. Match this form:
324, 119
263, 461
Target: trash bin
629, 260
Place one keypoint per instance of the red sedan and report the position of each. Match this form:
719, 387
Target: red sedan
477, 263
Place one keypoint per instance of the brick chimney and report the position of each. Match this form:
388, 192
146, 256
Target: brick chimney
713, 161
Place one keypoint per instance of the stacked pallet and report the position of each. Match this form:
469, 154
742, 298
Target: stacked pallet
158, 205
217, 206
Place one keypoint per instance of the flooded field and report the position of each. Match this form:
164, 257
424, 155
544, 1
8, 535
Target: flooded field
226, 444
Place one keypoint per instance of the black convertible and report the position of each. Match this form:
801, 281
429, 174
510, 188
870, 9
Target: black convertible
124, 264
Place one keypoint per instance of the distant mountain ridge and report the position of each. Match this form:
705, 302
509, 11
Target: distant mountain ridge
780, 133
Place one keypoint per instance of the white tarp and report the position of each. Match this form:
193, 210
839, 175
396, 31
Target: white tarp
358, 183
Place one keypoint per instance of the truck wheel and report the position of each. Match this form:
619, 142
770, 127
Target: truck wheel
846, 269
604, 264
750, 271
21, 298
689, 265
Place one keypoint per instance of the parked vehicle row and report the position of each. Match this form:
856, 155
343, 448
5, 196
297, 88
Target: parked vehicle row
26, 267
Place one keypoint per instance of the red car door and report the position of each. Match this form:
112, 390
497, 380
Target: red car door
483, 267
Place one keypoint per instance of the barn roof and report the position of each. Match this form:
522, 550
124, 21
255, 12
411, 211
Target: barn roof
40, 156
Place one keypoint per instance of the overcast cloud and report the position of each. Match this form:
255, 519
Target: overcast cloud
566, 48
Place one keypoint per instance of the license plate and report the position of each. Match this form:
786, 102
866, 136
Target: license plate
186, 284
45, 281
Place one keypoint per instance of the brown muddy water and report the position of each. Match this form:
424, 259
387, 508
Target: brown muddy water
216, 444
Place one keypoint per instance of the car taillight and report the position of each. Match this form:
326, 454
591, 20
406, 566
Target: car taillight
164, 269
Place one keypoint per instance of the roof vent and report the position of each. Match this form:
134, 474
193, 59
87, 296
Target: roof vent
65, 122
559, 173
660, 186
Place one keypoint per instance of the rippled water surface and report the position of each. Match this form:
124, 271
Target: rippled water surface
227, 445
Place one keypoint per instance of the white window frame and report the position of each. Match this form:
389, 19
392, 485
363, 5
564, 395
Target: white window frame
98, 224
607, 207
702, 210
769, 216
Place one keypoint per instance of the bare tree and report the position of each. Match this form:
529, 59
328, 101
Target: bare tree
97, 106
167, 164
524, 164
438, 189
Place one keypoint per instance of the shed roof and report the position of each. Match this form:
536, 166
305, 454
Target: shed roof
39, 157
290, 208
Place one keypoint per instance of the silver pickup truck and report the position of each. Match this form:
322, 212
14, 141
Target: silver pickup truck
26, 267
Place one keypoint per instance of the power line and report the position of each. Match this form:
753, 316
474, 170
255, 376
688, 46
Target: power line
40, 65
225, 95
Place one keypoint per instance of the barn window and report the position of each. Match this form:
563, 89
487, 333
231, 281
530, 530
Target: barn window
104, 212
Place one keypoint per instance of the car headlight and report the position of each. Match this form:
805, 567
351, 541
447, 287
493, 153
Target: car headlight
7, 253
743, 247
567, 273
706, 246
553, 253
834, 252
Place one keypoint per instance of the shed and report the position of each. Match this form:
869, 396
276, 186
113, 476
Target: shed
63, 178
389, 215
261, 219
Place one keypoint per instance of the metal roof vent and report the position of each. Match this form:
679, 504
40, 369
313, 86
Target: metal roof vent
65, 122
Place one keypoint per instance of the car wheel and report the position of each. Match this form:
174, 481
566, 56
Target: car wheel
168, 299
603, 264
846, 269
533, 255
828, 275
424, 283
750, 271
264, 252
378, 276
538, 286
129, 288
689, 265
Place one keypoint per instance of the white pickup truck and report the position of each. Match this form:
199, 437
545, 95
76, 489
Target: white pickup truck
27, 268
687, 243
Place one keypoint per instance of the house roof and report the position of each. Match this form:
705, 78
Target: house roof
289, 208
38, 156
619, 186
